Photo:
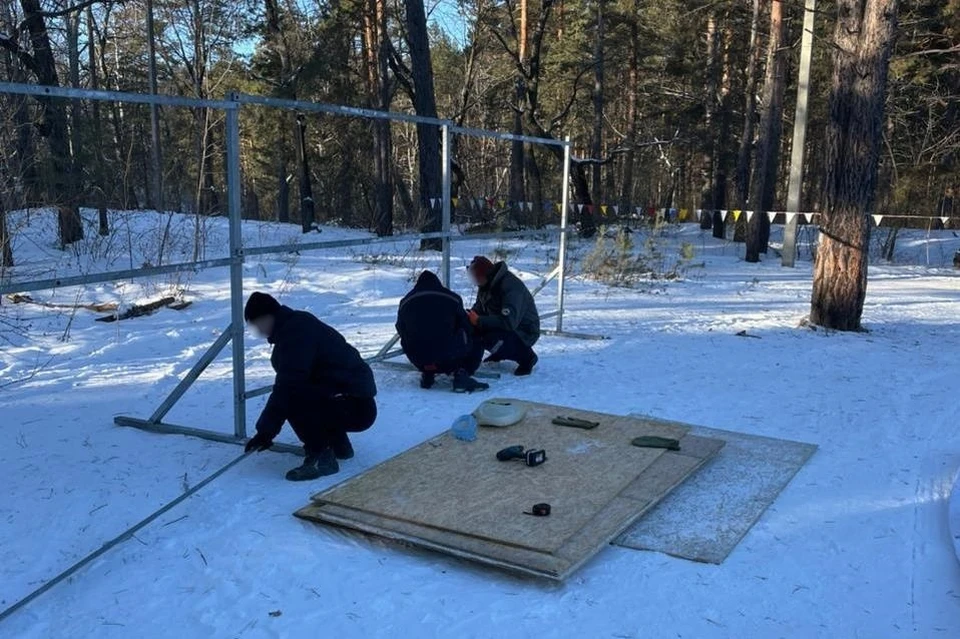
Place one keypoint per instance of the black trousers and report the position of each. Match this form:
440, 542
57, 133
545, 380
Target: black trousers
329, 418
506, 345
469, 362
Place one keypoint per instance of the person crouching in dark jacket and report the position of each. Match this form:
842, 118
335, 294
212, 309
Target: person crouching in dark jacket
436, 335
323, 387
505, 315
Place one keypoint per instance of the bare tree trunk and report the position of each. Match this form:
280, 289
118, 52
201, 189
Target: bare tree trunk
307, 205
633, 84
283, 190
103, 225
156, 157
425, 104
6, 248
596, 149
707, 202
767, 160
517, 186
749, 115
376, 63
63, 183
863, 42
722, 156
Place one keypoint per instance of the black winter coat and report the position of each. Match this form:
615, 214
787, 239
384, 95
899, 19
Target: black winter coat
312, 361
433, 326
506, 304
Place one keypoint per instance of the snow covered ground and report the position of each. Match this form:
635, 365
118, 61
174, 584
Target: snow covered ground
857, 546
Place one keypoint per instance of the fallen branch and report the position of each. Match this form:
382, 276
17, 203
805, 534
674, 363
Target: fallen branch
105, 307
139, 310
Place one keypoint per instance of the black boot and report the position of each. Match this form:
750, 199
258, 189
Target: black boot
427, 380
342, 448
315, 465
463, 383
526, 364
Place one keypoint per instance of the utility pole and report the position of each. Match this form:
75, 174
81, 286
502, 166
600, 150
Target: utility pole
789, 254
156, 160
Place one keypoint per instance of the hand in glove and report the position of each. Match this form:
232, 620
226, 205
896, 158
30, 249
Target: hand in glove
259, 443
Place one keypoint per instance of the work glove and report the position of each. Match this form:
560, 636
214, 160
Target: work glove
473, 317
258, 443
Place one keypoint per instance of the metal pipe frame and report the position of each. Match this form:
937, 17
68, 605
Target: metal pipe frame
238, 253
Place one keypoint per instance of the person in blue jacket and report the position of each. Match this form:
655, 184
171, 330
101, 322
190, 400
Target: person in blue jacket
323, 387
437, 337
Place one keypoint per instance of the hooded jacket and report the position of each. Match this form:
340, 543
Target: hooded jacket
434, 329
505, 303
312, 361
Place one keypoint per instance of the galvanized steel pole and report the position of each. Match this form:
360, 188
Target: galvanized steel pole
445, 241
236, 269
564, 217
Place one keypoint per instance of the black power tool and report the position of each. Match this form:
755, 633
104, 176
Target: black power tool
533, 457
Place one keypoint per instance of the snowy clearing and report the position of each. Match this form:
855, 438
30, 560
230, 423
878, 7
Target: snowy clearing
858, 545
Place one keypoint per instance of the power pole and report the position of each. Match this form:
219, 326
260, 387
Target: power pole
789, 254
156, 160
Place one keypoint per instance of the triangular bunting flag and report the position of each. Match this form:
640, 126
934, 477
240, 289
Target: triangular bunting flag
616, 210
877, 219
579, 208
603, 209
771, 215
433, 202
501, 202
683, 215
455, 200
944, 220
559, 206
749, 215
639, 210
807, 217
529, 206
789, 216
724, 214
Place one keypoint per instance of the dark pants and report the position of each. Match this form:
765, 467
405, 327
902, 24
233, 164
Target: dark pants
506, 345
330, 418
469, 362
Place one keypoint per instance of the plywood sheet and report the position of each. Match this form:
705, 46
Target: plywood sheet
706, 517
461, 487
597, 483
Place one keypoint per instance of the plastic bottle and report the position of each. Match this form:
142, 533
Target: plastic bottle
465, 428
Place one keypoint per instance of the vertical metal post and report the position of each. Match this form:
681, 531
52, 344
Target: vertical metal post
445, 241
564, 218
799, 136
236, 269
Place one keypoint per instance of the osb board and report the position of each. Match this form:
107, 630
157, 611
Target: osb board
461, 487
642, 493
705, 518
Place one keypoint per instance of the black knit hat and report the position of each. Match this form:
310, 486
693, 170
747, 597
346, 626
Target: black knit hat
259, 305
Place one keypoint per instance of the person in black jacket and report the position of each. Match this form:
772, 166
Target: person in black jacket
436, 335
505, 315
323, 387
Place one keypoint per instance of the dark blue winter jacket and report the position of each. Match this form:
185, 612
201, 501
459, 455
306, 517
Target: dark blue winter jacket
433, 324
313, 362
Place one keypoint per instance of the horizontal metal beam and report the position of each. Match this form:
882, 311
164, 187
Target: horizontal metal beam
482, 133
334, 109
257, 392
41, 90
164, 428
109, 276
362, 241
410, 367
574, 335
509, 235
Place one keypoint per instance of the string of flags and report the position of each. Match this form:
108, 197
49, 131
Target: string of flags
660, 214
